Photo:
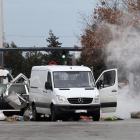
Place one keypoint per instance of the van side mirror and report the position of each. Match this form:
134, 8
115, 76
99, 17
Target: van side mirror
48, 86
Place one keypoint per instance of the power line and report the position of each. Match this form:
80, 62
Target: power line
34, 36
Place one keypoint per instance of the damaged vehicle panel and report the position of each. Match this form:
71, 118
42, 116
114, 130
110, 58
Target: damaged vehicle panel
15, 96
5, 76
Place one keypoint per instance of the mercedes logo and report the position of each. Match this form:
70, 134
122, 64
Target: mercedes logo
80, 101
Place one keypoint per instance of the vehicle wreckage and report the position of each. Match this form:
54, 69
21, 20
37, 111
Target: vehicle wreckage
12, 98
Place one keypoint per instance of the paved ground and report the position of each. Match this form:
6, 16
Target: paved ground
84, 130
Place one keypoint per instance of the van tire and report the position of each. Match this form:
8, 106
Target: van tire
35, 114
96, 117
54, 116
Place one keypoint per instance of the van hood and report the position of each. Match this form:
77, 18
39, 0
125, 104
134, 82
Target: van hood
77, 92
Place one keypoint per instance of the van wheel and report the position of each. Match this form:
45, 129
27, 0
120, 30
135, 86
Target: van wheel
96, 117
54, 116
35, 114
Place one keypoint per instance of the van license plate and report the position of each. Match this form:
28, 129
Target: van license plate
80, 111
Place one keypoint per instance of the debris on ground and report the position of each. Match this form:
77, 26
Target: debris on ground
135, 114
2, 116
84, 117
27, 115
14, 118
9, 119
111, 118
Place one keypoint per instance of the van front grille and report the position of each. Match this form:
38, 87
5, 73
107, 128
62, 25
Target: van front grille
80, 100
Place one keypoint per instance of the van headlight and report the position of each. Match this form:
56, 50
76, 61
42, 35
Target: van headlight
96, 99
61, 99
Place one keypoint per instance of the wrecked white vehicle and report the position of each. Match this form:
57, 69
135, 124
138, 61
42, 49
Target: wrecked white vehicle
14, 96
5, 76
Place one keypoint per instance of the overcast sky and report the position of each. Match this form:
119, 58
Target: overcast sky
27, 22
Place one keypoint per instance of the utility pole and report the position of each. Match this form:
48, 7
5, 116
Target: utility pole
1, 32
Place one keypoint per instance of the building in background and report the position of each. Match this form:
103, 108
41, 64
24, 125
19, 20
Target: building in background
75, 55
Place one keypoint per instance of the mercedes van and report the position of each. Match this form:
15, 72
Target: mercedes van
62, 92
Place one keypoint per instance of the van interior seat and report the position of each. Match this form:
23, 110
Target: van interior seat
65, 83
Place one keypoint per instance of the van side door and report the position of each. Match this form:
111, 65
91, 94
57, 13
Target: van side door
107, 84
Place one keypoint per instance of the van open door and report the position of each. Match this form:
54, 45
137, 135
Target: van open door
107, 84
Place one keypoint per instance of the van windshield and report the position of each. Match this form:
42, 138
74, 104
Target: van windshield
72, 79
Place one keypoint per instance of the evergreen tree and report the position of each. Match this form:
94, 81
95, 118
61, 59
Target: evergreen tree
32, 59
14, 60
52, 40
55, 55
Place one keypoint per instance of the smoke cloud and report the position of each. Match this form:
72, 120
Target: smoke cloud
124, 51
126, 103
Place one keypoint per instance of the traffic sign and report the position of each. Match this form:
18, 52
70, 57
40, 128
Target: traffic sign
52, 63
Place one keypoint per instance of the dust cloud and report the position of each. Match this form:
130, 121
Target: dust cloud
124, 51
126, 103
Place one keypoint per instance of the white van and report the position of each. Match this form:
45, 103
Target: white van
62, 92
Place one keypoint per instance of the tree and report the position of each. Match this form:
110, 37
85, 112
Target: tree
52, 40
20, 63
109, 23
14, 60
55, 55
96, 35
32, 59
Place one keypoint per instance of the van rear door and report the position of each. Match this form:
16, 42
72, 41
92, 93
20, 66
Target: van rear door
108, 90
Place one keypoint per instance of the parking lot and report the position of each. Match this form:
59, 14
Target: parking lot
83, 130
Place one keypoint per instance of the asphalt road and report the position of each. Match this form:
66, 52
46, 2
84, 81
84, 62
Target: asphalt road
83, 130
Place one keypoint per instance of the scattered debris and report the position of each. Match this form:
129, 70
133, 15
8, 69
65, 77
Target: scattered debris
102, 118
9, 119
85, 117
27, 115
14, 118
15, 100
111, 118
2, 116
135, 114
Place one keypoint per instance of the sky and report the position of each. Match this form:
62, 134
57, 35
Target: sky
27, 22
